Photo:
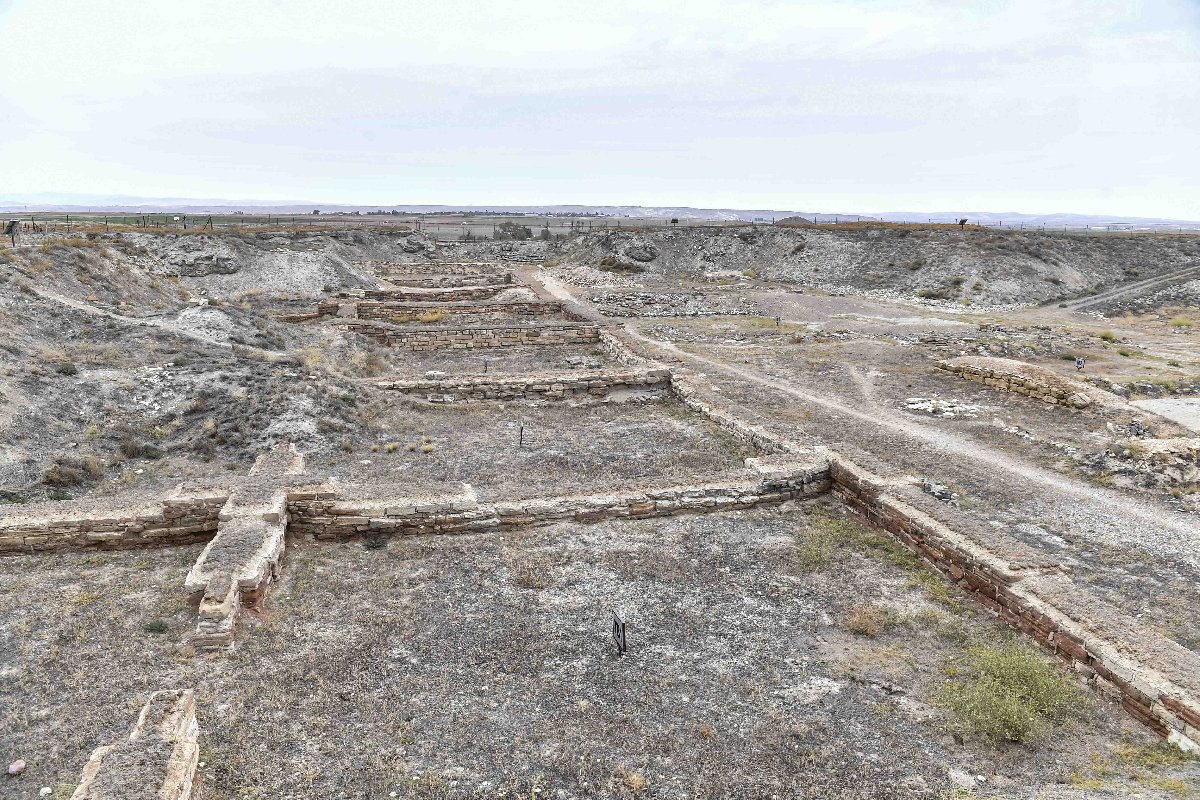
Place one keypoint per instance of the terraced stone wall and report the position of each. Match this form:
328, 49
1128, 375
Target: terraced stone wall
547, 386
338, 519
434, 268
1155, 679
376, 310
421, 339
449, 295
85, 525
322, 309
451, 281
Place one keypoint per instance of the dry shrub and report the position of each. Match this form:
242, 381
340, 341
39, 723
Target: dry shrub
867, 619
72, 471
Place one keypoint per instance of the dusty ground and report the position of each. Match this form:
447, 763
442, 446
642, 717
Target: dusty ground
524, 450
476, 665
473, 666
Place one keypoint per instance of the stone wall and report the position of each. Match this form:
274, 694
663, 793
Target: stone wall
777, 481
548, 386
376, 310
434, 267
615, 347
427, 338
1024, 379
451, 281
449, 295
685, 390
1155, 679
158, 760
180, 519
322, 309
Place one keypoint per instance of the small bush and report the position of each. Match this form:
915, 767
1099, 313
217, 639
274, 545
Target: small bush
1121, 351
133, 448
1009, 692
1182, 322
1107, 336
70, 471
432, 316
66, 368
155, 626
867, 619
376, 542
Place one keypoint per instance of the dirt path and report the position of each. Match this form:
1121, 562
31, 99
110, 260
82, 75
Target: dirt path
1135, 288
1138, 521
162, 325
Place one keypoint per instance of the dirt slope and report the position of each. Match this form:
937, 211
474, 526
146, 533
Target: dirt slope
988, 267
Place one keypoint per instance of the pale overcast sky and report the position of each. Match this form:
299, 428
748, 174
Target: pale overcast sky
1029, 105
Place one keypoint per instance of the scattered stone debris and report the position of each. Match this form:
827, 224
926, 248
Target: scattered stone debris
940, 491
947, 409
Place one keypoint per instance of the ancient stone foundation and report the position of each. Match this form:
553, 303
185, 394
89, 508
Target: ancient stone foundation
1154, 678
182, 518
157, 761
450, 281
1024, 379
546, 386
377, 310
776, 480
473, 338
386, 268
435, 295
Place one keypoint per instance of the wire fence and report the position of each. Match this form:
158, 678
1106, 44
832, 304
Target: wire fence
471, 227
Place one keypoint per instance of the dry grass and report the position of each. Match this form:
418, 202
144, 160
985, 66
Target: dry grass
868, 619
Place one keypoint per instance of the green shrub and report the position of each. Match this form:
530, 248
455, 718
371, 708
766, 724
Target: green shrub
66, 368
1008, 692
155, 626
1121, 351
1107, 336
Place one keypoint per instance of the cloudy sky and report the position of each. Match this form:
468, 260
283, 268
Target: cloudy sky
1024, 105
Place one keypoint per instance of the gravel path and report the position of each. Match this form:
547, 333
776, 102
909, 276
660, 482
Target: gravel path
1102, 513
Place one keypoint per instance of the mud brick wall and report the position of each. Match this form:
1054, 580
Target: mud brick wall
158, 759
385, 311
83, 525
325, 519
1155, 679
550, 386
435, 295
1023, 383
451, 281
422, 339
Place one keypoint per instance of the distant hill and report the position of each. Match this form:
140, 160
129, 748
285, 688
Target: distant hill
46, 201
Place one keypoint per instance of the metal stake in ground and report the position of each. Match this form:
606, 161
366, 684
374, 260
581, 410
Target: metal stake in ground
619, 634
